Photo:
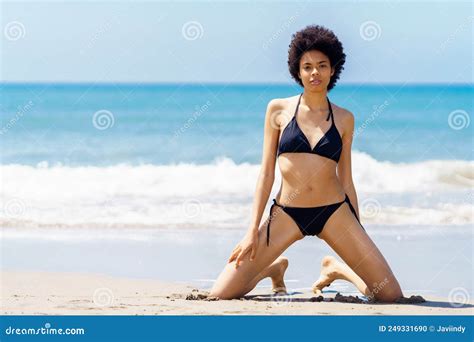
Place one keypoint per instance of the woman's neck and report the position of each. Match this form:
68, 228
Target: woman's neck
316, 102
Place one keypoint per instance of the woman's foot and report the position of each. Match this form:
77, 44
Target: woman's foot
277, 272
330, 271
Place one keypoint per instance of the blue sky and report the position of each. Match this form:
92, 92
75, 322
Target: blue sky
386, 41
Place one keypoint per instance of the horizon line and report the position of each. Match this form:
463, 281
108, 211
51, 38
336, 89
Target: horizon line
151, 83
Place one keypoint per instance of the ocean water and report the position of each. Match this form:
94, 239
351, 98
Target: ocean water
187, 156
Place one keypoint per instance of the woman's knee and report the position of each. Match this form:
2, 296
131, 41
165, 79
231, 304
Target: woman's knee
224, 294
232, 282
225, 291
388, 298
389, 294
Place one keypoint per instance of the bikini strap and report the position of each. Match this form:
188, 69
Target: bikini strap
270, 219
352, 208
298, 105
278, 205
330, 114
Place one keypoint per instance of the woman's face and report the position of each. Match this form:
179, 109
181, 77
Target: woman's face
315, 70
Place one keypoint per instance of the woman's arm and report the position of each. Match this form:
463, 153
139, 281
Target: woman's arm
267, 171
344, 167
264, 183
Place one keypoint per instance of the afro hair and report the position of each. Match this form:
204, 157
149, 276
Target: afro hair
316, 37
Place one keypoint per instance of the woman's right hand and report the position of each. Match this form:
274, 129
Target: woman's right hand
248, 245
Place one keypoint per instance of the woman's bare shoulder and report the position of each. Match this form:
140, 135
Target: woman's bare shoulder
342, 115
284, 103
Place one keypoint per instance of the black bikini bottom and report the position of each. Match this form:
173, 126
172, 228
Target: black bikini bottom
310, 220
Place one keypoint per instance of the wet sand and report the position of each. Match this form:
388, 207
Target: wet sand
67, 293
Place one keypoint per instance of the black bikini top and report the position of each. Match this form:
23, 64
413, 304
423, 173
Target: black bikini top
293, 139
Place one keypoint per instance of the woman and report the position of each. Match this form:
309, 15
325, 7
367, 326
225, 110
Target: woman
311, 138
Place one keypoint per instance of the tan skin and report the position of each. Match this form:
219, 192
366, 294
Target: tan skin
302, 175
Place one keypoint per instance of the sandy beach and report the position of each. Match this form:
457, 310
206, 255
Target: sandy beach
63, 293
151, 272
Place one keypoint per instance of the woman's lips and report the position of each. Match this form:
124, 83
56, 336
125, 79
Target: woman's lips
316, 82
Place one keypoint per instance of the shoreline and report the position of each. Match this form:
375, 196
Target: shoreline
196, 257
73, 293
